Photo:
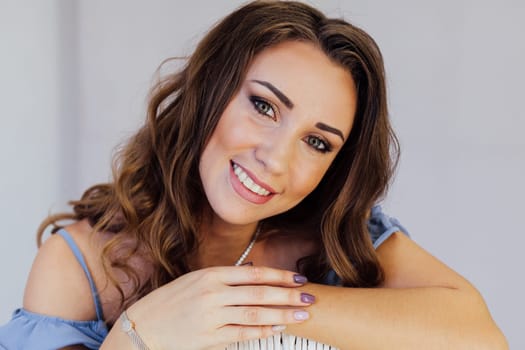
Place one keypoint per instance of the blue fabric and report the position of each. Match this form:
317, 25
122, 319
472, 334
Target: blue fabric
31, 331
381, 226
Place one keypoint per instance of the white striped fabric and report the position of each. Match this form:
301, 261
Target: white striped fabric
280, 342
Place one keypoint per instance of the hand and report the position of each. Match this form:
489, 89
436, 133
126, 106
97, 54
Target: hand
217, 306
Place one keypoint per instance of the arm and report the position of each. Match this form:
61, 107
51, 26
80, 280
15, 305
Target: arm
423, 304
205, 308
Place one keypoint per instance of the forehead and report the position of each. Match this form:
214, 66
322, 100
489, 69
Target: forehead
318, 87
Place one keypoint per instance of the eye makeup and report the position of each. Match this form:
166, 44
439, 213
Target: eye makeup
269, 110
264, 107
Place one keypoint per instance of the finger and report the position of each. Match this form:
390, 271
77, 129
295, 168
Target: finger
234, 333
243, 275
264, 316
266, 295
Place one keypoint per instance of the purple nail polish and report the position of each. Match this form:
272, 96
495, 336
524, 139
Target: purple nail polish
301, 315
307, 298
299, 279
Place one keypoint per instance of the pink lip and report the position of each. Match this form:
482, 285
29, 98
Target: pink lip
246, 193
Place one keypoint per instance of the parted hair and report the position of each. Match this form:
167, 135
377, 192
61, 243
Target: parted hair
156, 196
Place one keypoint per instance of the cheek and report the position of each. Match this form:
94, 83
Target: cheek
232, 130
306, 178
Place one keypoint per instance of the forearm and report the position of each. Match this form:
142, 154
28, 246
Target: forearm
116, 339
385, 318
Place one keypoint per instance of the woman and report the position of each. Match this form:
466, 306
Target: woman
269, 149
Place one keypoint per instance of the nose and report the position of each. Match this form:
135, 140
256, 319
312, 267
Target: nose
275, 151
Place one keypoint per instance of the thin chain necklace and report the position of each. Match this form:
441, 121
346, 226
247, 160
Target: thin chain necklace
249, 247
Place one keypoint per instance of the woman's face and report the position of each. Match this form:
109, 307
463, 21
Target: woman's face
278, 135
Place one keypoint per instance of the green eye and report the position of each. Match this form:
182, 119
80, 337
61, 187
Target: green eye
318, 144
263, 107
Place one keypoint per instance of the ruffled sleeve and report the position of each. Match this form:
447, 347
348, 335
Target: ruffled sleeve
31, 331
381, 226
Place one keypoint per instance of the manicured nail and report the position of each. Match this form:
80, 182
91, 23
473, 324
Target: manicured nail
278, 328
307, 298
301, 315
300, 279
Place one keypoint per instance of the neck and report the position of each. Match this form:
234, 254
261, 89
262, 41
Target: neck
222, 244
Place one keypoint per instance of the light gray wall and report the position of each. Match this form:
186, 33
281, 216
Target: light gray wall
74, 79
29, 136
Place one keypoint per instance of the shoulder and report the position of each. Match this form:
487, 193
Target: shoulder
407, 265
57, 282
404, 262
58, 285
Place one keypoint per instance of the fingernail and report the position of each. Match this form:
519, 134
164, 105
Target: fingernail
278, 328
301, 315
307, 298
300, 279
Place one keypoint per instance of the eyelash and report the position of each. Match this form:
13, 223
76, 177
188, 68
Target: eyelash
324, 146
258, 101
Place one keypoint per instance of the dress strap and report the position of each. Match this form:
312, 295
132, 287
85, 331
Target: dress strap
80, 258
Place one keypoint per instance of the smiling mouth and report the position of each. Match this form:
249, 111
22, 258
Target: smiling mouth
247, 181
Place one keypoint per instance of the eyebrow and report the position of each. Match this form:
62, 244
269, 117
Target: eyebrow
328, 128
288, 103
284, 99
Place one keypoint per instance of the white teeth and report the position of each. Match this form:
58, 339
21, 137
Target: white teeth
248, 182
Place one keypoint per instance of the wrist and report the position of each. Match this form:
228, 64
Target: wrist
128, 327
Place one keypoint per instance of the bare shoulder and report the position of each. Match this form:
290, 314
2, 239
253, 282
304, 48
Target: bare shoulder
57, 283
407, 265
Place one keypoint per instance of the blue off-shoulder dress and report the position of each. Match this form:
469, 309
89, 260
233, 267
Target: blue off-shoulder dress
31, 331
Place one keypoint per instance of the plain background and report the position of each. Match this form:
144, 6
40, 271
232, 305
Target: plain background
74, 76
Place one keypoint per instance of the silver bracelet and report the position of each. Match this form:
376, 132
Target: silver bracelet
128, 326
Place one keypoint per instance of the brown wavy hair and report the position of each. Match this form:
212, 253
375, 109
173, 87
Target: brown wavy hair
157, 198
